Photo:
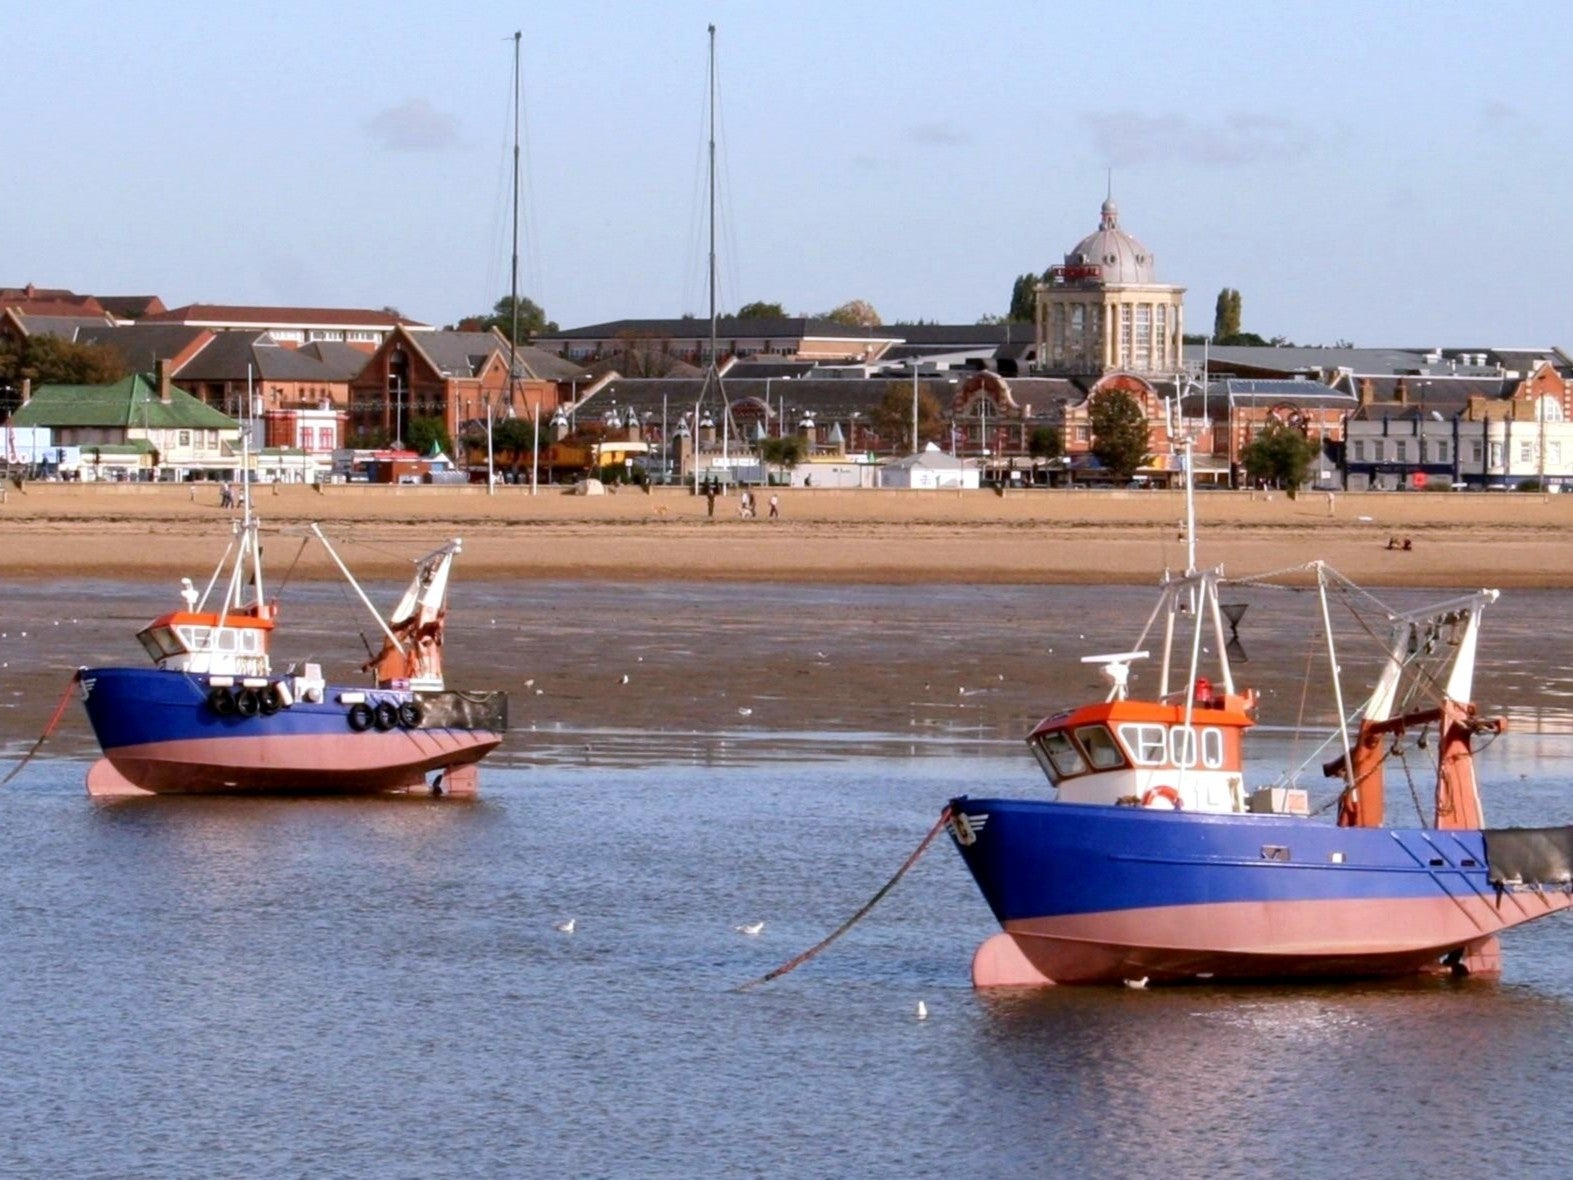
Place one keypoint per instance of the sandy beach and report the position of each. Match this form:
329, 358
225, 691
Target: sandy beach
832, 536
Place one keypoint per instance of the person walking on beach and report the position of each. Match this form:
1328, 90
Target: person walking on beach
710, 497
226, 495
775, 507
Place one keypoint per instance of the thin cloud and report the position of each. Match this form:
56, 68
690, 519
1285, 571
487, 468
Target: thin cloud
938, 135
1497, 113
413, 126
1126, 138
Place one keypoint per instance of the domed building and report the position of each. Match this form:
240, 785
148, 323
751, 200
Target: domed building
1103, 309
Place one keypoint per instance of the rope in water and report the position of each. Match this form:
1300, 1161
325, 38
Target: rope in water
799, 960
65, 699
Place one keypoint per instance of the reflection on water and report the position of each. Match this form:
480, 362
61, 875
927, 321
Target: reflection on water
320, 987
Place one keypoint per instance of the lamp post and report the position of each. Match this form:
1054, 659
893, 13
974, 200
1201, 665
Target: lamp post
914, 405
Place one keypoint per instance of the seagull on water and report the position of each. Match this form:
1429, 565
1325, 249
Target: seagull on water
750, 928
566, 927
1138, 984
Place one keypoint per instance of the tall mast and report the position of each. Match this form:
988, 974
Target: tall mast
513, 276
711, 370
712, 196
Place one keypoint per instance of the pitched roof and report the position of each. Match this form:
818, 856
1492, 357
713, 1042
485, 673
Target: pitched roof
142, 346
66, 326
130, 402
232, 316
130, 307
344, 360
229, 354
726, 326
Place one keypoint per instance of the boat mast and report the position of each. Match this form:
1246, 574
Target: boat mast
712, 370
513, 279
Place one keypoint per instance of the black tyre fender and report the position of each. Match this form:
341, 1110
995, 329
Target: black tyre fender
411, 714
246, 703
221, 701
360, 717
385, 716
269, 700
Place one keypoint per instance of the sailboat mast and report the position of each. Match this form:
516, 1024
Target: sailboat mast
712, 197
513, 279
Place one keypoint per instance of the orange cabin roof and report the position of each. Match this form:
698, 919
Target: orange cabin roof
1225, 710
181, 618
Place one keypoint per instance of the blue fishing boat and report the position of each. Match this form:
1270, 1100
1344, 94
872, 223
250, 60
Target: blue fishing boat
212, 715
1155, 860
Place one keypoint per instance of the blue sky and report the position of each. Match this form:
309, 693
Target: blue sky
1389, 174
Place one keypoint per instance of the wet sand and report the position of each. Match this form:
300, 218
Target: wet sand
827, 536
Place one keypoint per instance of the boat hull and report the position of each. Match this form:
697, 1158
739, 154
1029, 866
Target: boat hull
161, 735
1096, 894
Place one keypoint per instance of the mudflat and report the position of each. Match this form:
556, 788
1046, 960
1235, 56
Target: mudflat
135, 531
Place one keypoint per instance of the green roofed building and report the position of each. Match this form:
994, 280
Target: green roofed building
139, 427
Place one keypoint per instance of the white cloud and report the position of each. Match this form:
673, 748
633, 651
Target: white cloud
938, 134
1125, 138
413, 126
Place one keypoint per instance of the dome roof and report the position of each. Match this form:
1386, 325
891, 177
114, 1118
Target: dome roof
1121, 257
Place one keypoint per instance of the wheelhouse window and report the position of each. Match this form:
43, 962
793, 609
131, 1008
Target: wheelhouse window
1103, 752
1145, 743
1061, 754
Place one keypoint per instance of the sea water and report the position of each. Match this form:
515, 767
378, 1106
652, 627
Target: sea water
353, 988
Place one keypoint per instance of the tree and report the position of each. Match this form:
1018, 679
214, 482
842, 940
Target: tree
892, 418
1119, 433
1280, 454
1024, 299
49, 360
517, 437
761, 311
855, 313
1226, 314
785, 452
532, 320
420, 434
1045, 443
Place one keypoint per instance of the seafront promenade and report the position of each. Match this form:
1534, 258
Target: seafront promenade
1457, 539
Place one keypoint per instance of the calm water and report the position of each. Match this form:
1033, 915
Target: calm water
202, 988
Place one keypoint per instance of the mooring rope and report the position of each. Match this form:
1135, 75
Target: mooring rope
799, 960
65, 699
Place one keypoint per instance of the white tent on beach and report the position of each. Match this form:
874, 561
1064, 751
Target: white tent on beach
930, 468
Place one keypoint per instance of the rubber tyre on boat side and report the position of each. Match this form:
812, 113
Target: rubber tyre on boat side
246, 703
269, 700
360, 716
411, 714
220, 701
385, 716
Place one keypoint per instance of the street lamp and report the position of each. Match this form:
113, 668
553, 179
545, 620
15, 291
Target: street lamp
914, 405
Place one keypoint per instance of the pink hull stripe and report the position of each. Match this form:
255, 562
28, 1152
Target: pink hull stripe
368, 761
1257, 939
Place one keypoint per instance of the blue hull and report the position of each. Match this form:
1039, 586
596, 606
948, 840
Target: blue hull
1103, 893
160, 732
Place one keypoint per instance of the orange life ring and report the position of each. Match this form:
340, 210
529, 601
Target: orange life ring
1165, 792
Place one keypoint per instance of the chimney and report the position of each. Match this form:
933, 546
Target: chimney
165, 368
